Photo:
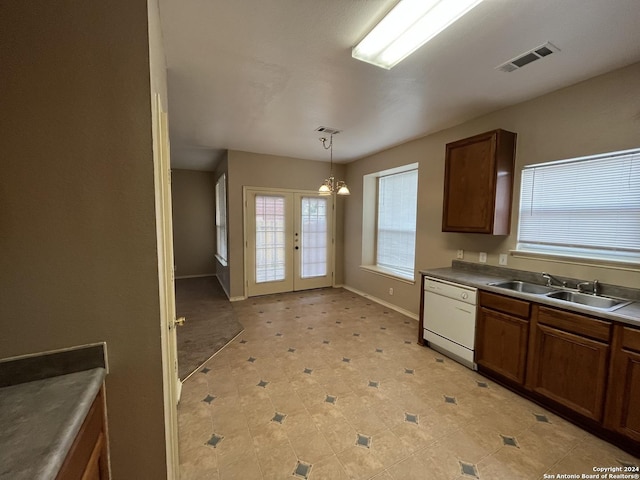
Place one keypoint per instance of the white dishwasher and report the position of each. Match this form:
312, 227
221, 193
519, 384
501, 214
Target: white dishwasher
449, 316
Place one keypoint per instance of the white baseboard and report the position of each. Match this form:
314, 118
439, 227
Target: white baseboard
398, 309
237, 299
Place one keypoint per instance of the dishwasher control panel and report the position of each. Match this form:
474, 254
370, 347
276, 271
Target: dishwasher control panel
452, 290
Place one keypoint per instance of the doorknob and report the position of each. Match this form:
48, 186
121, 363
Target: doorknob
180, 321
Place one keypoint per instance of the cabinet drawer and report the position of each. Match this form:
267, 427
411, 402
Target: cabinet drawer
631, 339
509, 305
574, 323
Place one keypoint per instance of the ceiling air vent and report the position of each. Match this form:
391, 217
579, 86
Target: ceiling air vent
528, 57
327, 130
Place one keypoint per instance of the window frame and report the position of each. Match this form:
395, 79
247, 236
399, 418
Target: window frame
221, 220
370, 225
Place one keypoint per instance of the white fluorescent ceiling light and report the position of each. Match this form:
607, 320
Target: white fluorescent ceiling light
408, 26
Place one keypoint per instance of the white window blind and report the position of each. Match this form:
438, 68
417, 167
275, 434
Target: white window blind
221, 218
396, 232
586, 207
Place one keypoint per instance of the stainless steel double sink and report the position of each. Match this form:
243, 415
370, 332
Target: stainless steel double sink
594, 301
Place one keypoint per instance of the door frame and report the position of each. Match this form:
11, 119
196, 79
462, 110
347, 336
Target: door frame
245, 229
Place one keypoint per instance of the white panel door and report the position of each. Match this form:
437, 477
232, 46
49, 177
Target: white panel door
289, 241
172, 386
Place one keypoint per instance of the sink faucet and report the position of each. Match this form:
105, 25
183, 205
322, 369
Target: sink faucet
550, 279
594, 287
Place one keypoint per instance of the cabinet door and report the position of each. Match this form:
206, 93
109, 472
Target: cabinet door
627, 383
501, 344
88, 457
478, 183
469, 186
623, 414
568, 369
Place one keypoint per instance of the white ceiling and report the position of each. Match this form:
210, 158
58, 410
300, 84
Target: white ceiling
262, 75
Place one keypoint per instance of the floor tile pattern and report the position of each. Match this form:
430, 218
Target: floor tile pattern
326, 416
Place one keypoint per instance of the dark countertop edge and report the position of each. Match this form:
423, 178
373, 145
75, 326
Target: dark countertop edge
629, 314
58, 454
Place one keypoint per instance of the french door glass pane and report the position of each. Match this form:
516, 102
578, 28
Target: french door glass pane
270, 238
314, 237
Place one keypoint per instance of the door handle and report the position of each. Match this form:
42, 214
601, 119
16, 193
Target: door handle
180, 321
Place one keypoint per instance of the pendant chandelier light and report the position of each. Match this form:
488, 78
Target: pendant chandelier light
330, 184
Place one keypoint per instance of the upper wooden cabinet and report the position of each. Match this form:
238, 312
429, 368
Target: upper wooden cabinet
478, 183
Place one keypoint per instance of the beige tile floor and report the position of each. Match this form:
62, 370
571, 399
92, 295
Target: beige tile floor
326, 384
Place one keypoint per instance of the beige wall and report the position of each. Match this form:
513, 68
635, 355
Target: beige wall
194, 222
595, 116
77, 220
257, 170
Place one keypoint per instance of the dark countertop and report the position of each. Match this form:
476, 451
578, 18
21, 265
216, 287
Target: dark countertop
39, 421
629, 314
44, 399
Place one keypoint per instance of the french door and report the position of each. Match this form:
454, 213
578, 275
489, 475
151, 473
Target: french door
289, 241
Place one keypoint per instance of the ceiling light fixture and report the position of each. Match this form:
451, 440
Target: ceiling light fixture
408, 26
330, 184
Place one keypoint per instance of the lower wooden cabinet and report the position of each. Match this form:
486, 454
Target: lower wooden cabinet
623, 412
584, 368
88, 458
568, 360
502, 331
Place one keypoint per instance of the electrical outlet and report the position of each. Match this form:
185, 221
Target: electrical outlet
460, 254
391, 291
482, 257
503, 259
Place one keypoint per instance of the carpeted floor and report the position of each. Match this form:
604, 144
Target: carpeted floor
211, 322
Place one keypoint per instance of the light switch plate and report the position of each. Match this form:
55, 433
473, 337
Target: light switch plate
482, 257
503, 259
460, 254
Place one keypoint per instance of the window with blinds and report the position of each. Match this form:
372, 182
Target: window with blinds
221, 219
396, 225
585, 207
